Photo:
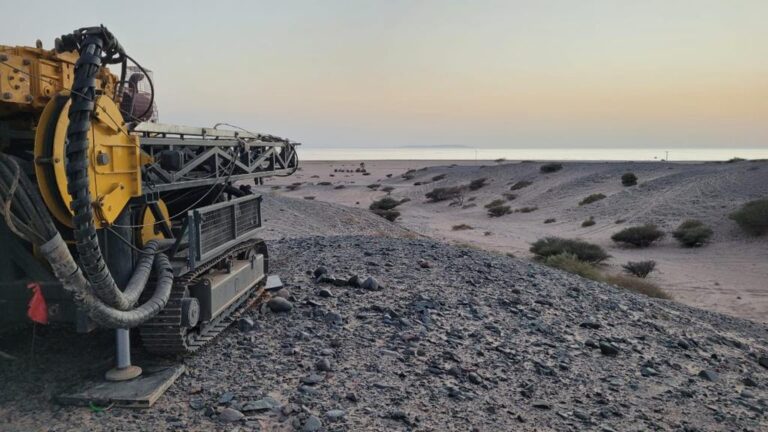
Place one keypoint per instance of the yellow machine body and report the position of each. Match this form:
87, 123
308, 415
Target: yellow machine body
35, 80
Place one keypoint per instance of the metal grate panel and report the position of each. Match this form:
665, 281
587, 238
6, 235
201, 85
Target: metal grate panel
219, 226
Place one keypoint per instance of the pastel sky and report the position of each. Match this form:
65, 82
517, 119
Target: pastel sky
544, 73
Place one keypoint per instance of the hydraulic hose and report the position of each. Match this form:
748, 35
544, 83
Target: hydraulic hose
20, 203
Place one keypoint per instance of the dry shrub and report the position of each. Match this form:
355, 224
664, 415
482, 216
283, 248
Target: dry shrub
629, 179
389, 215
637, 285
521, 184
438, 177
640, 236
386, 203
588, 223
499, 211
592, 198
640, 269
526, 209
584, 251
495, 203
551, 167
477, 184
444, 193
461, 227
752, 217
572, 264
550, 220
692, 233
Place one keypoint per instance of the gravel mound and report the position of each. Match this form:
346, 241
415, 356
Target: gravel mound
447, 339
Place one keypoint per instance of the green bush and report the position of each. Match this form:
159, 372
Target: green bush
551, 167
444, 193
386, 203
692, 233
572, 264
477, 184
588, 223
521, 184
629, 179
499, 211
584, 251
640, 269
752, 217
592, 198
640, 236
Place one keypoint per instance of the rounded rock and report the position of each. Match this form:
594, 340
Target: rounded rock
279, 304
313, 424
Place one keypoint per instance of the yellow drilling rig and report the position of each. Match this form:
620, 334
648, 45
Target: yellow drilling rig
125, 223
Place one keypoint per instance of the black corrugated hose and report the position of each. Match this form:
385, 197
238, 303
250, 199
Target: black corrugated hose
25, 214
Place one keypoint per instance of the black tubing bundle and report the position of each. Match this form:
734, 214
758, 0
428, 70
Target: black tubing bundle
26, 215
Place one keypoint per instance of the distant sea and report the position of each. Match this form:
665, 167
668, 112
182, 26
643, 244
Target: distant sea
570, 154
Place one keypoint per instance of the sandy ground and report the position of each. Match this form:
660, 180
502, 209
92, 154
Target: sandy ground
728, 275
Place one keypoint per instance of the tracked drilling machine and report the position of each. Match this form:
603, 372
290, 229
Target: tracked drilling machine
124, 222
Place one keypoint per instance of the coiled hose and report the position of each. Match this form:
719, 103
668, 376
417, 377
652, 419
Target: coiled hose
26, 215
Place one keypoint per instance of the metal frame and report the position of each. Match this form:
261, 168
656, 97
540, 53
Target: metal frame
194, 221
253, 155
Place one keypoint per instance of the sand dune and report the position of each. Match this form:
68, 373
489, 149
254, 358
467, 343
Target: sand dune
729, 275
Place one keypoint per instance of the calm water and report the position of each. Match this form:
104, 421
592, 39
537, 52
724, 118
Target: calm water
597, 154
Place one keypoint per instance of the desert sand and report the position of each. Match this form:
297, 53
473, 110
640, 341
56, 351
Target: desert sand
728, 275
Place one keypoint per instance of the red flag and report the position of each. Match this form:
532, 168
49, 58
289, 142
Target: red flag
38, 310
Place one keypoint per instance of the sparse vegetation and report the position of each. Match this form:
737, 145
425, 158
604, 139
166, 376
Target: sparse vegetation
629, 179
470, 205
275, 187
495, 203
735, 159
526, 209
500, 160
293, 187
373, 186
572, 264
588, 223
521, 184
551, 167
339, 187
477, 184
390, 215
310, 198
592, 198
584, 251
438, 177
409, 175
692, 233
637, 285
619, 221
752, 217
640, 269
386, 203
499, 211
640, 236
388, 189
461, 227
509, 196
550, 220
445, 193
324, 183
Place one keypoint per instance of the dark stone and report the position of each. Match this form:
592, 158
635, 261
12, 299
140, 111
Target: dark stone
335, 414
229, 415
325, 293
226, 398
197, 404
312, 424
763, 361
245, 324
609, 349
320, 271
709, 375
749, 382
324, 365
354, 281
371, 284
590, 325
542, 405
279, 304
312, 379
